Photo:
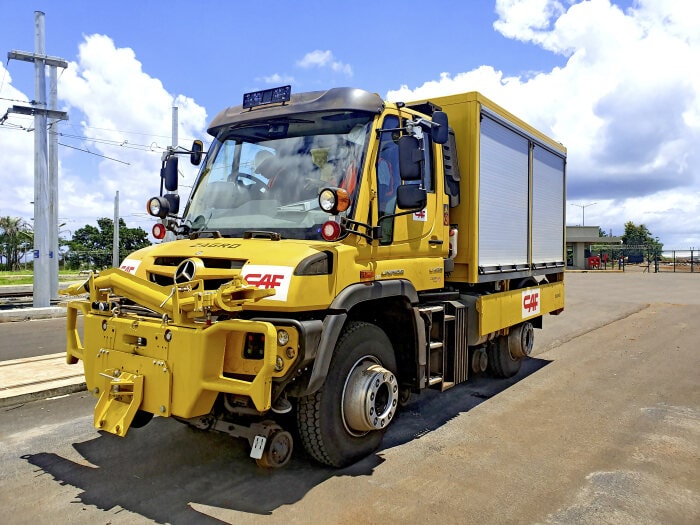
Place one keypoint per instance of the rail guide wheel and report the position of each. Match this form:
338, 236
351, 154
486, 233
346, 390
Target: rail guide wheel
278, 450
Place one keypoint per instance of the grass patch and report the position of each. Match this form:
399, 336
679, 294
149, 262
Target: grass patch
28, 277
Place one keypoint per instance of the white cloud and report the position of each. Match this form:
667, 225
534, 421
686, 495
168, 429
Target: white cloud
127, 116
17, 167
322, 59
626, 104
276, 79
122, 113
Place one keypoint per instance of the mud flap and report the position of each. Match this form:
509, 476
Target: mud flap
119, 402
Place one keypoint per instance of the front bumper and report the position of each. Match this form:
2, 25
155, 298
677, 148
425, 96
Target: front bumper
136, 362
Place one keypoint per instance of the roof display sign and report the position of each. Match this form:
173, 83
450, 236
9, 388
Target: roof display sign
268, 96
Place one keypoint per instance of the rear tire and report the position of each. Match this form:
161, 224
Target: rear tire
501, 363
346, 419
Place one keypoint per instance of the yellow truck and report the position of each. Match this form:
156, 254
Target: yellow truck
337, 254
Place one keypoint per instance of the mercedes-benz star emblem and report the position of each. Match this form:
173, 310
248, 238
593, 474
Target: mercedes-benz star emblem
185, 272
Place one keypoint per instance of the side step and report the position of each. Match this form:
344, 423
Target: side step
447, 353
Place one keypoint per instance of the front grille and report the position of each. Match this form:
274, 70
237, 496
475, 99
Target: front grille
209, 262
216, 271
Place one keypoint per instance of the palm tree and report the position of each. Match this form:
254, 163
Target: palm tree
14, 234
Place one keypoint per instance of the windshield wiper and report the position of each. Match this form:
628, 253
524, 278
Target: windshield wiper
255, 234
214, 234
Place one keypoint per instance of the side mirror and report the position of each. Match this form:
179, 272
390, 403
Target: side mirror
411, 197
440, 127
410, 158
196, 153
169, 174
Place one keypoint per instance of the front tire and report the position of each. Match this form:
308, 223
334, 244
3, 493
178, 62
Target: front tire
346, 419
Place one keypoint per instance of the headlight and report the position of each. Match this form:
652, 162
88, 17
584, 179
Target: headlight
333, 200
158, 207
282, 337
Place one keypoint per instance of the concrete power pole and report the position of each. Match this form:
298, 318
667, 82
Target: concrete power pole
45, 191
115, 238
53, 185
42, 277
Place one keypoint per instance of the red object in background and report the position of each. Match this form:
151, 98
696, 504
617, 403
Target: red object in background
594, 263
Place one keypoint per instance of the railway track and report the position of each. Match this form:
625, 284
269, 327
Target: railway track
15, 293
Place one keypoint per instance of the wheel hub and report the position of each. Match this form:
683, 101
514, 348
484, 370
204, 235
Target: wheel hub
370, 398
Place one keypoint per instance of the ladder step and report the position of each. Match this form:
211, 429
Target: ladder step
431, 308
434, 380
434, 345
449, 317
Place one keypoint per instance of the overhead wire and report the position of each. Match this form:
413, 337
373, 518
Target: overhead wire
154, 146
93, 153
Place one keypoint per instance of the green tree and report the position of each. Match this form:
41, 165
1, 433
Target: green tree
92, 246
15, 237
640, 236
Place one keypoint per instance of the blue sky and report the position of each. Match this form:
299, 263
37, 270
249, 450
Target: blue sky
617, 82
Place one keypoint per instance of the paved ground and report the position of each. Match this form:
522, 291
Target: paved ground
602, 426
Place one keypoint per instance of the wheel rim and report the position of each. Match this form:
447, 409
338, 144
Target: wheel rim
370, 397
521, 341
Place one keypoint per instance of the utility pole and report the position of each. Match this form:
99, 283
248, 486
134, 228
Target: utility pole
53, 184
115, 237
45, 221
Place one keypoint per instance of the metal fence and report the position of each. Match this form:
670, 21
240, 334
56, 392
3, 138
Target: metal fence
607, 257
676, 261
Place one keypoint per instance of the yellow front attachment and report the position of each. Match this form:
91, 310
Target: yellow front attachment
135, 363
119, 401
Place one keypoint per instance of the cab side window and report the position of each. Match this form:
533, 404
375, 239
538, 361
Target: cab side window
388, 179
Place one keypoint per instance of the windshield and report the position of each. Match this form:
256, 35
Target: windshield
266, 175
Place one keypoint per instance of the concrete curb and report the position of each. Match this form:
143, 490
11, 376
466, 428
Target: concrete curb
27, 314
42, 394
39, 377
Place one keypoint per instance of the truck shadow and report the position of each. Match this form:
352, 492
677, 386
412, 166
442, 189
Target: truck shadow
172, 474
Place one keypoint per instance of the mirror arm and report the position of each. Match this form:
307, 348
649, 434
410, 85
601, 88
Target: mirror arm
392, 215
349, 222
390, 130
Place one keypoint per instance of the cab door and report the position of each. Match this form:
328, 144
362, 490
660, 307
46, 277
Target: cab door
407, 235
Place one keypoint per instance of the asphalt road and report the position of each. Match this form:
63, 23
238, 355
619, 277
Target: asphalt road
602, 426
32, 338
